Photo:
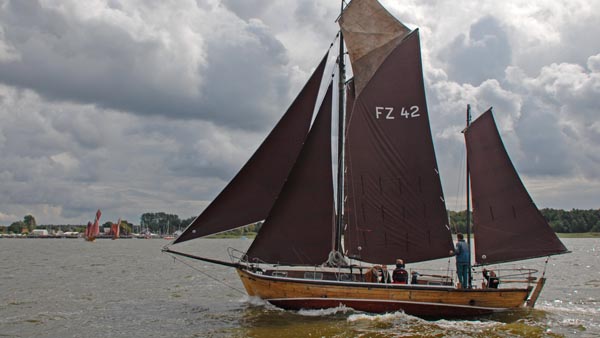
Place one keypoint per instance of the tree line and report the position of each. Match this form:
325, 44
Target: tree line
28, 224
164, 223
563, 221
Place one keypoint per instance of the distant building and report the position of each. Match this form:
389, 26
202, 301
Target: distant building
39, 232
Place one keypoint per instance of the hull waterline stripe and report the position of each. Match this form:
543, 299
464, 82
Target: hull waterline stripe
342, 300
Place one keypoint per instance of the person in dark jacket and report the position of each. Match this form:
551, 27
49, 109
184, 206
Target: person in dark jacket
400, 275
463, 259
491, 280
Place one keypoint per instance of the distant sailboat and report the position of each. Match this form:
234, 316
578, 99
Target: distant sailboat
308, 256
93, 229
115, 229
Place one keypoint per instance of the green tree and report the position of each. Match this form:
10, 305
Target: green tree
458, 220
126, 227
160, 222
30, 222
17, 227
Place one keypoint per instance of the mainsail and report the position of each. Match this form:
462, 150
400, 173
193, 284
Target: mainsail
251, 194
95, 231
298, 229
507, 224
395, 206
88, 230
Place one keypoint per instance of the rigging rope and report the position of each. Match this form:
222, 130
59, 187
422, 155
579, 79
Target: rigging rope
175, 258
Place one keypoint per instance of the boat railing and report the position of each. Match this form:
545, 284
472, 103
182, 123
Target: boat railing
505, 276
430, 277
237, 256
254, 264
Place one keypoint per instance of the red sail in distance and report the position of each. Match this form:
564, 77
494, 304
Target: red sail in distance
298, 228
251, 194
116, 229
395, 206
507, 224
88, 230
95, 231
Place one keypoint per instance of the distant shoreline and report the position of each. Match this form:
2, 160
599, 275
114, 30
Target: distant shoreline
579, 235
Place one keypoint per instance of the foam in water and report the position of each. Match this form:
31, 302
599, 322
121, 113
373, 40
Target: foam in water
256, 301
468, 325
569, 309
386, 317
326, 312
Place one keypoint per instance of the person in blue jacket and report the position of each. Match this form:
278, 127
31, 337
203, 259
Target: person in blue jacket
463, 258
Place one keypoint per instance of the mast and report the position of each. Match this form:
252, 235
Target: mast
469, 204
340, 174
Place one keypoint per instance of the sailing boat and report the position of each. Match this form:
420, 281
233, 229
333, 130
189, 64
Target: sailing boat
93, 229
115, 229
389, 197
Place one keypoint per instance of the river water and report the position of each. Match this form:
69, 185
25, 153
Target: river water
128, 288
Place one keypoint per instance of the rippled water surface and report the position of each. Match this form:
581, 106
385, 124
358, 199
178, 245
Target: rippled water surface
128, 288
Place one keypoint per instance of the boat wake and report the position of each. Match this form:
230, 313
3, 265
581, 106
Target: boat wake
386, 317
326, 312
569, 309
467, 325
258, 302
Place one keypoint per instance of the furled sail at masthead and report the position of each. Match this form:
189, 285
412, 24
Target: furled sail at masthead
251, 194
507, 224
395, 206
370, 33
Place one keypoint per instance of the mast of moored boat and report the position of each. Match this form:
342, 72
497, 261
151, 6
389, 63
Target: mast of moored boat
469, 204
337, 245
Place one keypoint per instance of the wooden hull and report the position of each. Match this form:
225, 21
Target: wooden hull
422, 301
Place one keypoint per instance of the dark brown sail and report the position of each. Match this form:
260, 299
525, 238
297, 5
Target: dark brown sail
395, 206
507, 224
252, 192
298, 230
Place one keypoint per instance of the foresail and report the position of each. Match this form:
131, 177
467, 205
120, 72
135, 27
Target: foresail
298, 230
395, 206
507, 224
370, 33
251, 194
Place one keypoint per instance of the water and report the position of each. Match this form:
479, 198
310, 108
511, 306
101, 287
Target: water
128, 288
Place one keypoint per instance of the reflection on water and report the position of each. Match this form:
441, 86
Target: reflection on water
127, 288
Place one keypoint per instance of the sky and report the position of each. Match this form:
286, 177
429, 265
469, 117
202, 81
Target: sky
137, 106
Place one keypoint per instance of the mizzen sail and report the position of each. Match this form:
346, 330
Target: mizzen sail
395, 206
251, 194
507, 224
298, 228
